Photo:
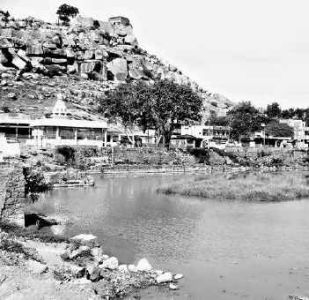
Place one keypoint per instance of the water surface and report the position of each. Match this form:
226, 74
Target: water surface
226, 249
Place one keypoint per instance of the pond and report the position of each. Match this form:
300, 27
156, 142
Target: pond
226, 249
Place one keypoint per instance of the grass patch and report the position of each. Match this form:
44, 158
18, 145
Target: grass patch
266, 187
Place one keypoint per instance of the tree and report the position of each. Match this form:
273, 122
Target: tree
288, 113
273, 110
277, 129
6, 16
65, 11
244, 119
160, 106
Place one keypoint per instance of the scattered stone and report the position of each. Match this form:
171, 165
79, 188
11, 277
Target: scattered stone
132, 268
144, 265
178, 276
165, 277
97, 254
12, 96
82, 250
76, 271
173, 286
85, 239
94, 273
123, 268
111, 263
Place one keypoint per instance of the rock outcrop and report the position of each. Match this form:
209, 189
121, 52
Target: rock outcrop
104, 51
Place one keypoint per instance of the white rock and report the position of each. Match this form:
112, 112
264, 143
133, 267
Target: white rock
178, 276
132, 268
105, 257
85, 239
123, 268
111, 263
144, 265
97, 254
165, 277
173, 286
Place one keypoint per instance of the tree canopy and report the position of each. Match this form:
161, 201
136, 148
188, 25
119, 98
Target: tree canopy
273, 110
160, 106
244, 119
277, 129
66, 11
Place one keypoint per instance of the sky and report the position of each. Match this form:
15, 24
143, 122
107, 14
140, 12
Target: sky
246, 50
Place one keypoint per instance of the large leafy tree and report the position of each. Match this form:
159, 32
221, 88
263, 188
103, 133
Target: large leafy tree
160, 106
65, 12
244, 119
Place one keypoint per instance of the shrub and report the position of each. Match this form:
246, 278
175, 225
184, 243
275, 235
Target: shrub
68, 153
202, 155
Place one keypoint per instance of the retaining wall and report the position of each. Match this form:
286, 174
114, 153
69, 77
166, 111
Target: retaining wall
12, 194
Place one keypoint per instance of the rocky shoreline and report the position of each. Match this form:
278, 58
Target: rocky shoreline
79, 264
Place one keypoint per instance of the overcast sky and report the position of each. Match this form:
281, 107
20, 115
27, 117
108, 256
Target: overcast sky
255, 50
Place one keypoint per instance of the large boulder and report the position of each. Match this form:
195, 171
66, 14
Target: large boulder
165, 277
144, 265
119, 68
130, 39
136, 70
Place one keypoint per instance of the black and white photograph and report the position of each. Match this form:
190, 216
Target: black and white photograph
154, 150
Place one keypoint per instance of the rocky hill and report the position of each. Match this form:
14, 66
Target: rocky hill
83, 61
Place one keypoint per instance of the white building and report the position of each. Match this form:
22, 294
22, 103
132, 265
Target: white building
298, 126
60, 130
219, 133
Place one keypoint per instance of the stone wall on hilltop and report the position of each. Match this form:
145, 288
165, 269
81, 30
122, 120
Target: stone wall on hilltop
106, 52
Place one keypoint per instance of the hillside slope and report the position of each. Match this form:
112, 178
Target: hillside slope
84, 61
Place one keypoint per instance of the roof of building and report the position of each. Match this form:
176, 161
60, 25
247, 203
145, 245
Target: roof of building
69, 123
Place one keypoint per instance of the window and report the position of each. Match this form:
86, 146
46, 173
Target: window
50, 132
66, 133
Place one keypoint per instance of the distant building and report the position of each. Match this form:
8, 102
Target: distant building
298, 126
59, 129
216, 133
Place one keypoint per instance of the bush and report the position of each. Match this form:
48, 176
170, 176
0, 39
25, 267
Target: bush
35, 184
68, 153
202, 155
